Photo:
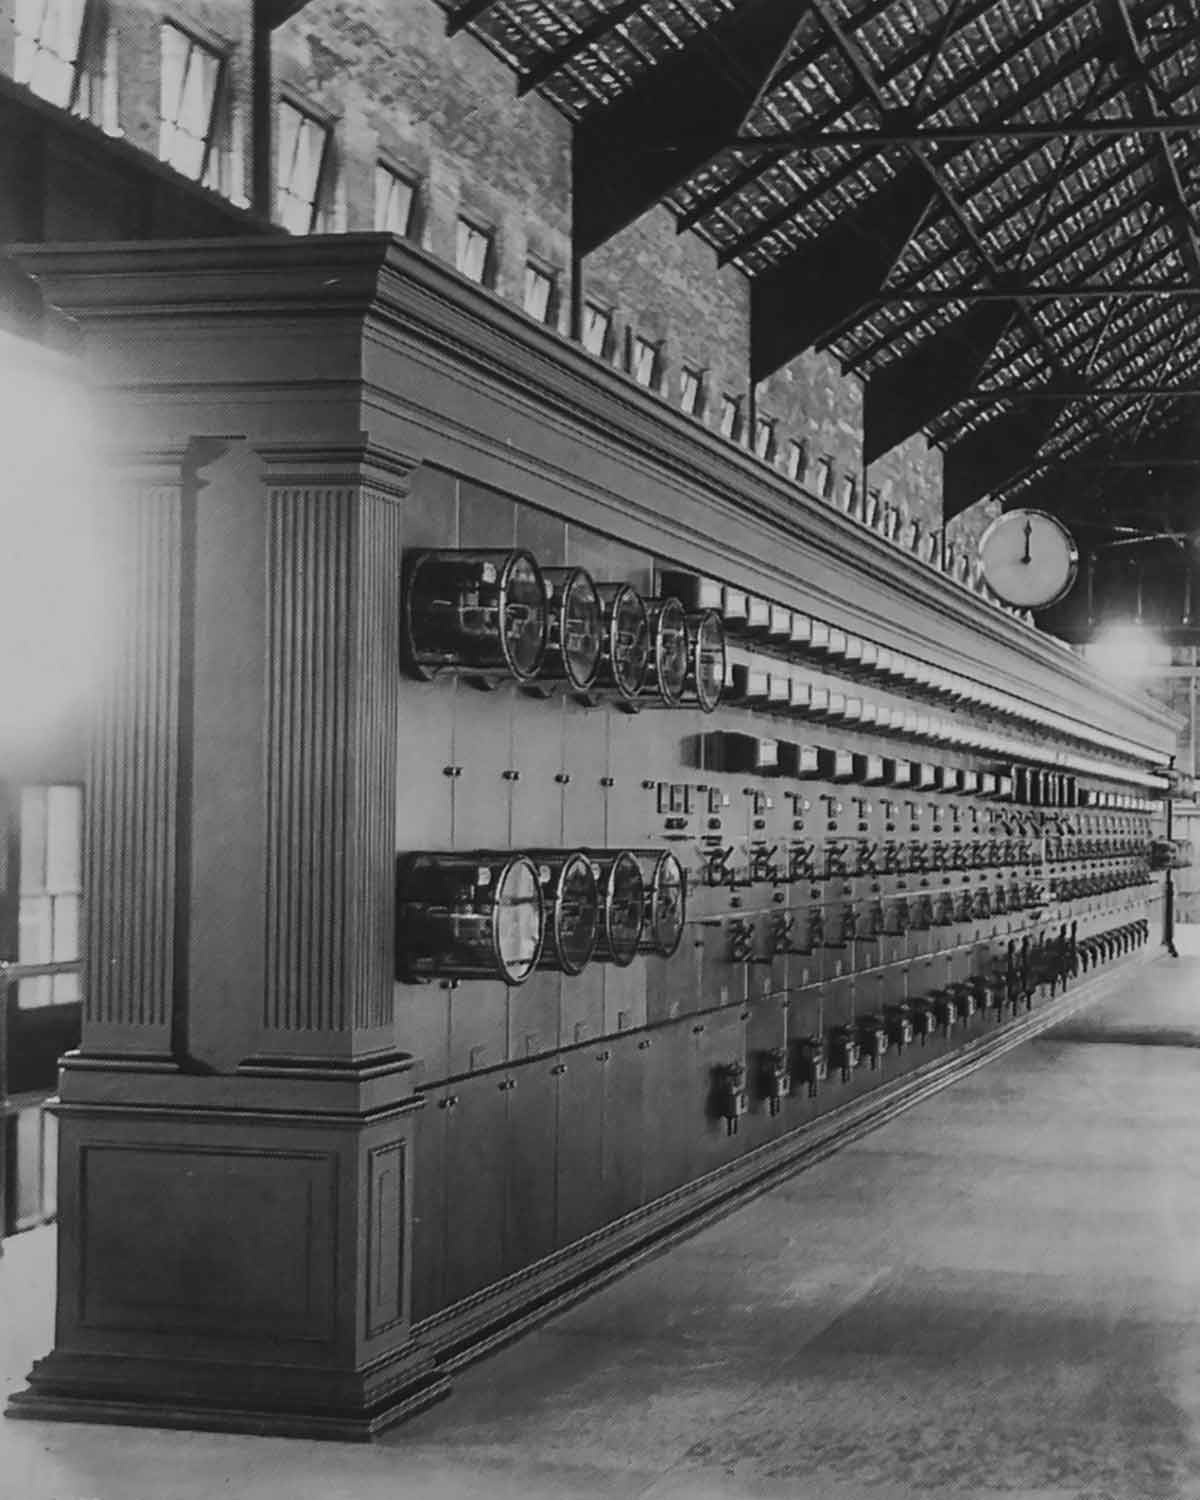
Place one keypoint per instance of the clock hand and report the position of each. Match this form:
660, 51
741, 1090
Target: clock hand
1028, 534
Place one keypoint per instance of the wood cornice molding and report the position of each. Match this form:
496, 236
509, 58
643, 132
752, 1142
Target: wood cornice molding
447, 373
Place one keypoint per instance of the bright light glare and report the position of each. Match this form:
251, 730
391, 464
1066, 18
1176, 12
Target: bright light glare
50, 571
1123, 653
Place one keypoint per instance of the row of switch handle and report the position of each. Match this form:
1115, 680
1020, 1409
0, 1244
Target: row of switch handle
920, 915
765, 867
1049, 961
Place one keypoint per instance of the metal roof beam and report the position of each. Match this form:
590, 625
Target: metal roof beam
963, 86
550, 62
630, 155
898, 130
1009, 291
1136, 54
992, 456
913, 390
462, 15
805, 298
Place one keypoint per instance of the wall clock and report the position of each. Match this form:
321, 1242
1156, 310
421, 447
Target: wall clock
1029, 558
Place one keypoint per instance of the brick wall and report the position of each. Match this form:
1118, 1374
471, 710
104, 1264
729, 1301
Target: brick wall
444, 112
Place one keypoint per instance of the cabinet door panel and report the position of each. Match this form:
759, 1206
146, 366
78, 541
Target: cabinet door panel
425, 752
533, 1009
532, 1164
429, 1206
585, 761
476, 1164
625, 1125
535, 797
624, 995
675, 1104
481, 754
581, 1090
478, 1025
630, 807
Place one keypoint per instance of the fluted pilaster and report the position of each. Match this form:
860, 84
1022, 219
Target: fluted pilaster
333, 566
134, 770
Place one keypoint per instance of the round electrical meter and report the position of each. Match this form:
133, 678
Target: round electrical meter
669, 649
572, 901
573, 644
625, 643
468, 916
484, 611
706, 659
666, 902
622, 905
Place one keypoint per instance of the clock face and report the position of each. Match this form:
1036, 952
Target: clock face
1028, 558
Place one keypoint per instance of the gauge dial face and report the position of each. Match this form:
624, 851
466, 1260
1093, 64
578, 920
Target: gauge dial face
628, 642
576, 914
706, 636
580, 629
518, 921
1029, 558
623, 895
671, 649
666, 916
523, 616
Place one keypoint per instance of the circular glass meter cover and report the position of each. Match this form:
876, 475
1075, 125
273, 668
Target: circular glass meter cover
706, 643
577, 627
523, 615
573, 916
668, 622
517, 921
628, 641
665, 905
623, 893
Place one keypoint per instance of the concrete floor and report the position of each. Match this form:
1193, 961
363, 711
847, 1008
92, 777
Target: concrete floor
998, 1294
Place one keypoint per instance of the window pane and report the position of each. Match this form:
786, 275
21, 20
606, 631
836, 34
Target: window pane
302, 145
645, 356
795, 460
35, 933
66, 929
188, 87
729, 416
34, 811
48, 47
595, 328
689, 392
64, 838
764, 437
823, 478
472, 251
538, 286
394, 199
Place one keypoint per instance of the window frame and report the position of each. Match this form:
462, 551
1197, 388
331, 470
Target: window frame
486, 234
217, 137
322, 202
696, 375
93, 62
768, 425
733, 405
398, 173
639, 346
591, 305
823, 476
536, 267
